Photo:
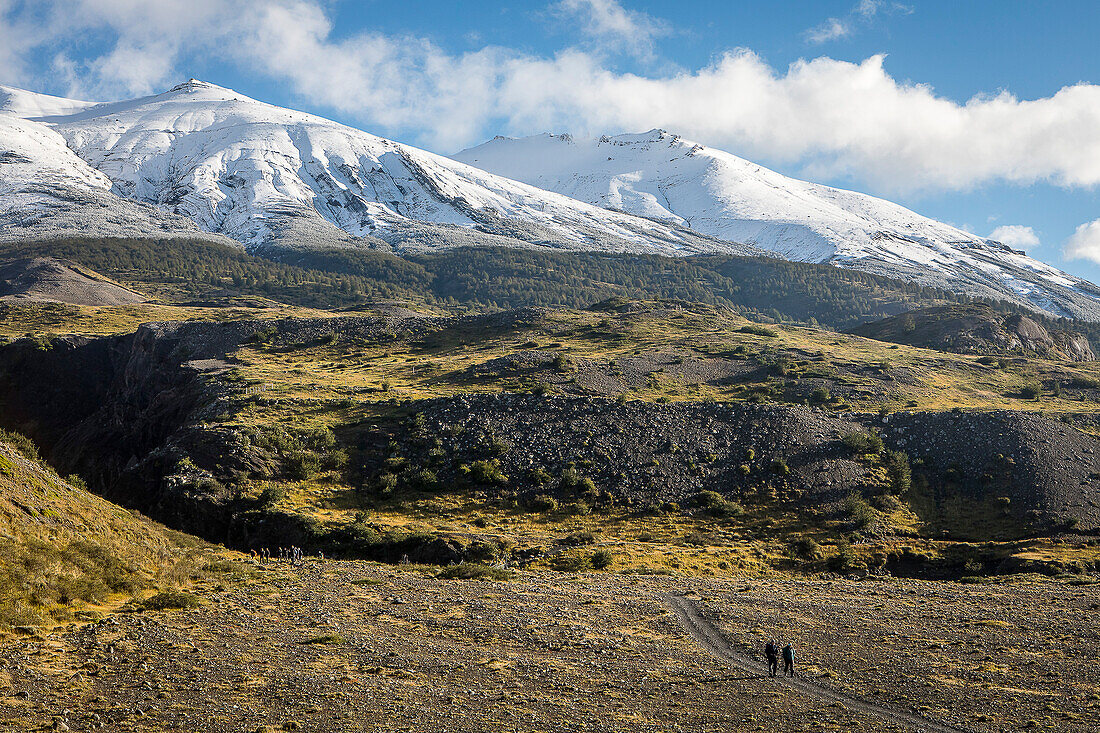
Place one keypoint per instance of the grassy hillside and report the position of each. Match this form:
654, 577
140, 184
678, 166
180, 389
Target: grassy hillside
65, 551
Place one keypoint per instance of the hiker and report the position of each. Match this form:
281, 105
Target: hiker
771, 651
788, 661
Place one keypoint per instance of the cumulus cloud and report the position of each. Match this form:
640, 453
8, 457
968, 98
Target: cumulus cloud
1084, 244
1016, 235
829, 118
612, 27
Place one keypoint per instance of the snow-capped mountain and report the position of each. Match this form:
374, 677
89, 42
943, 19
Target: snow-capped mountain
202, 160
266, 175
664, 177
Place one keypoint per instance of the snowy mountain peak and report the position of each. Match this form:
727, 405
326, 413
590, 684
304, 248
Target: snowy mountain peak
203, 155
266, 175
662, 176
192, 85
21, 103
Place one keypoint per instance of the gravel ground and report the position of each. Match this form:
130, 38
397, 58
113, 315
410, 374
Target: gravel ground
349, 646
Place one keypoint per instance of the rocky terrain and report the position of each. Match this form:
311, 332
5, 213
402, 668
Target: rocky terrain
346, 646
147, 418
47, 278
978, 329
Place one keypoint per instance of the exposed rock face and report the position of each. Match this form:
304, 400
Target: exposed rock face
1043, 466
978, 329
47, 278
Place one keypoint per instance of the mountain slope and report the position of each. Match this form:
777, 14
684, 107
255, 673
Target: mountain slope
266, 175
665, 177
48, 190
201, 160
976, 328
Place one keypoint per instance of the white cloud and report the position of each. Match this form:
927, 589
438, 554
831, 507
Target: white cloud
862, 14
867, 8
611, 27
831, 119
830, 30
1016, 235
1084, 244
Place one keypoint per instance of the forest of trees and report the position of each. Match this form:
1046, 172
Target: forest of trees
497, 278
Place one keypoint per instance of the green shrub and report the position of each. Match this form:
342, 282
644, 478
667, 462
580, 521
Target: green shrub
898, 473
807, 548
484, 473
601, 559
170, 599
859, 511
1031, 391
577, 508
386, 485
573, 481
717, 505
562, 363
820, 396
424, 480
541, 503
474, 571
21, 443
863, 443
272, 494
302, 465
845, 559
539, 476
757, 330
579, 538
571, 563
780, 467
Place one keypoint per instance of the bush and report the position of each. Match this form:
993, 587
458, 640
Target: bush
542, 503
579, 538
573, 481
272, 495
571, 563
539, 476
424, 480
1031, 391
807, 549
859, 511
780, 467
757, 330
717, 505
898, 473
601, 559
21, 443
474, 571
863, 443
302, 465
820, 396
170, 599
845, 560
484, 473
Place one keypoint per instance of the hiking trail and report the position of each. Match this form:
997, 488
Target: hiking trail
711, 638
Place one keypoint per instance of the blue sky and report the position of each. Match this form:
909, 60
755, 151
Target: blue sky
980, 113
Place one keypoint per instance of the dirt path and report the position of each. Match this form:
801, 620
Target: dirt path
709, 636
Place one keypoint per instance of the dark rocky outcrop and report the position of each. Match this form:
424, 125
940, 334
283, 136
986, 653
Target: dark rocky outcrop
978, 329
136, 416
